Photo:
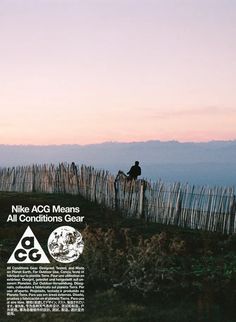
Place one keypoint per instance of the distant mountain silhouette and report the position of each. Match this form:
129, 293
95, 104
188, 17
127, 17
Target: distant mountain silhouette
212, 163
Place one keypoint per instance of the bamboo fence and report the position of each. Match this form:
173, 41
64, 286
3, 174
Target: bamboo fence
202, 208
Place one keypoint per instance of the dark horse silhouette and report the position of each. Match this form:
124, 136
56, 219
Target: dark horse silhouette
121, 176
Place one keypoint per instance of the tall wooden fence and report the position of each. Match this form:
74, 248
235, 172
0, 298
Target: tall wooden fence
212, 209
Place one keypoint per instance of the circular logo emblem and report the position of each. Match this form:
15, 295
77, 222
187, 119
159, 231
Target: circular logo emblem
65, 244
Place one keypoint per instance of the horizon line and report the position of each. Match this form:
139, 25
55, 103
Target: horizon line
117, 142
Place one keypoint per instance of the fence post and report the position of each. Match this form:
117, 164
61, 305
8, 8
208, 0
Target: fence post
141, 195
116, 192
232, 216
178, 209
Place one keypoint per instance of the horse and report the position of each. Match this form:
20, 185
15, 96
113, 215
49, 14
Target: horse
121, 176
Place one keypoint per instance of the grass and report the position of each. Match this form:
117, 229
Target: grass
107, 304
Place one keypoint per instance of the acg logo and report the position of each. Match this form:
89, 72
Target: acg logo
28, 250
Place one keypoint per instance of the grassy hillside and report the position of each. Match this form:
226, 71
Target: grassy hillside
135, 271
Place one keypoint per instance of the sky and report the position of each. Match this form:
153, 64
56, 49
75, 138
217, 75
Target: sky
82, 72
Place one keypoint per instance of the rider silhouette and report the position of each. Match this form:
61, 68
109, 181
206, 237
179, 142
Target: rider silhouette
134, 171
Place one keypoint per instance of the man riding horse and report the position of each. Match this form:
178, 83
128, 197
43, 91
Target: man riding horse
133, 173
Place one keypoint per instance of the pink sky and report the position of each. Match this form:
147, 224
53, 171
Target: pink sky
74, 71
